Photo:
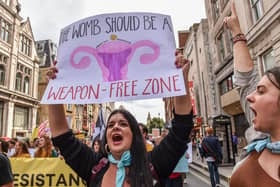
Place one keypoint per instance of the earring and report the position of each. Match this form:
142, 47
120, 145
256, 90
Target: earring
107, 149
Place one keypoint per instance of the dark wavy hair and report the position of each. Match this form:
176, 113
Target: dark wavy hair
98, 141
4, 146
139, 173
274, 76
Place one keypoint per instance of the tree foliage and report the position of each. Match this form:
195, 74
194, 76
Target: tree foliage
155, 123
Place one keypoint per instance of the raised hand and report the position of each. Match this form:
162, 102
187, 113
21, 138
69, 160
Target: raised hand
232, 22
52, 71
182, 62
57, 119
183, 103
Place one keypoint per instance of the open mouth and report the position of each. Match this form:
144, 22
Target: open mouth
117, 138
255, 113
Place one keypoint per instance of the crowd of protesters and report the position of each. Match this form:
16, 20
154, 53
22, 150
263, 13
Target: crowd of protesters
22, 147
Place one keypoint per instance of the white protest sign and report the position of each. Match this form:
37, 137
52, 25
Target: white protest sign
116, 57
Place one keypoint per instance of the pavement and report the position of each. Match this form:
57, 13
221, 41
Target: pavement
200, 169
193, 181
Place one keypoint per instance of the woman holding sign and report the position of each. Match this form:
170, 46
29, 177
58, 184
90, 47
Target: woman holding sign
262, 165
124, 161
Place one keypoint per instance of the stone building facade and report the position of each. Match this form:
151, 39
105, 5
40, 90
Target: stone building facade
259, 20
195, 46
197, 51
19, 71
46, 51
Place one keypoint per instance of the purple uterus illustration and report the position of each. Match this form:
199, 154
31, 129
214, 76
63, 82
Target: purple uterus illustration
114, 56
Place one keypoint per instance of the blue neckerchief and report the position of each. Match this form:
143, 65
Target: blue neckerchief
265, 143
125, 161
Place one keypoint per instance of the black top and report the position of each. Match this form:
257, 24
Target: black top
163, 157
6, 175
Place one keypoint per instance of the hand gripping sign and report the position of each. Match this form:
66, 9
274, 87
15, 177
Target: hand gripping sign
116, 57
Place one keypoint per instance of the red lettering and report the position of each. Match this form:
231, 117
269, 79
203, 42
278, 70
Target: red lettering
77, 90
175, 78
69, 91
133, 86
163, 83
84, 93
155, 84
91, 90
126, 84
61, 92
145, 90
119, 88
111, 88
53, 94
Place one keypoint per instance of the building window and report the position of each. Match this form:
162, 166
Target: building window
257, 9
23, 78
5, 30
18, 81
221, 47
69, 107
229, 42
227, 84
216, 9
3, 59
21, 117
26, 85
2, 75
25, 45
268, 60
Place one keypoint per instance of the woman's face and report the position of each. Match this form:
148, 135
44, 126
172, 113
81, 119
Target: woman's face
264, 102
119, 135
41, 142
96, 146
18, 147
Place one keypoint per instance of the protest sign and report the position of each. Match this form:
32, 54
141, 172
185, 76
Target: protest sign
44, 172
116, 57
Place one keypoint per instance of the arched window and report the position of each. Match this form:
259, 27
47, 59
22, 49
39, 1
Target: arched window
2, 75
26, 85
18, 81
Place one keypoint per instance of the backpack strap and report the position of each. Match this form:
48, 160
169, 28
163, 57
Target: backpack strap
154, 173
102, 163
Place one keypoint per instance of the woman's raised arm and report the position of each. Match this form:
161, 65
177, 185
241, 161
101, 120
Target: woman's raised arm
183, 103
57, 118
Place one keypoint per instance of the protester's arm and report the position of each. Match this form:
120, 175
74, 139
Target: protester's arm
242, 58
166, 155
57, 118
246, 76
183, 103
76, 154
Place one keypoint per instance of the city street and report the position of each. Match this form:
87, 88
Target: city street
110, 92
193, 181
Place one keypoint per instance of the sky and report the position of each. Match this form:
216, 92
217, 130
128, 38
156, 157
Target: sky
48, 17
